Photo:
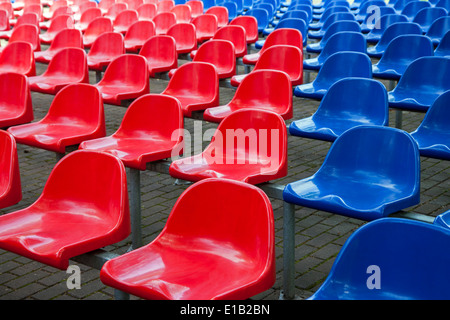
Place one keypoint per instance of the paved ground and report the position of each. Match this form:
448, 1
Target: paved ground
319, 235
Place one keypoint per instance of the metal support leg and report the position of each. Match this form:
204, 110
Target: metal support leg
120, 295
288, 250
398, 119
134, 179
98, 76
59, 156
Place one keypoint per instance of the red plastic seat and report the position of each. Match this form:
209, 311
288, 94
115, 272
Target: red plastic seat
10, 185
196, 7
161, 54
57, 24
105, 5
20, 5
221, 13
75, 114
137, 34
262, 89
87, 16
134, 4
64, 10
278, 57
182, 13
32, 8
115, 9
27, 33
163, 21
55, 5
250, 25
18, 57
26, 18
205, 26
66, 38
84, 205
195, 85
106, 47
124, 20
285, 36
4, 21
15, 100
146, 11
95, 28
68, 66
164, 5
216, 248
220, 53
233, 33
125, 78
185, 37
146, 132
248, 145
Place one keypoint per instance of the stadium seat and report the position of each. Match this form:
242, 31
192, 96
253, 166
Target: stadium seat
85, 207
315, 26
26, 18
433, 133
296, 14
233, 152
66, 38
338, 16
291, 37
360, 273
105, 5
26, 33
391, 32
278, 57
289, 23
413, 7
266, 6
145, 133
339, 65
205, 27
137, 34
232, 9
442, 220
182, 13
340, 41
163, 21
196, 266
18, 57
369, 173
15, 100
185, 37
195, 85
75, 114
164, 6
48, 15
95, 28
124, 20
443, 49
262, 17
221, 13
382, 23
86, 17
146, 11
196, 8
57, 24
134, 4
107, 47
349, 102
115, 9
125, 78
438, 29
250, 25
10, 183
67, 66
427, 16
399, 54
160, 53
415, 93
4, 21
257, 92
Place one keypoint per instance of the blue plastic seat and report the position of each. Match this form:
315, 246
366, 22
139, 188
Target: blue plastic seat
338, 66
381, 25
348, 103
328, 12
339, 16
338, 26
302, 7
400, 4
438, 29
319, 11
443, 220
232, 8
369, 173
422, 82
392, 31
291, 23
374, 14
341, 41
365, 7
427, 16
399, 54
413, 7
433, 134
443, 49
296, 14
262, 17
268, 7
390, 259
239, 5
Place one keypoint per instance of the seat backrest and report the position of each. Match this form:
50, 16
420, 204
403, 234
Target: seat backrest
338, 16
426, 16
184, 35
134, 4
221, 13
298, 14
344, 41
28, 18
99, 26
163, 21
115, 9
160, 48
15, 92
261, 15
218, 52
108, 44
141, 29
438, 28
91, 179
235, 34
242, 221
4, 20
250, 25
437, 118
411, 8
385, 21
283, 58
19, 56
165, 5
344, 64
67, 38
146, 11
406, 48
340, 26
129, 69
266, 87
90, 14
126, 18
443, 49
287, 36
331, 10
182, 13
365, 268
196, 7
397, 29
61, 22
205, 22
70, 62
28, 33
63, 10
10, 184
355, 99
